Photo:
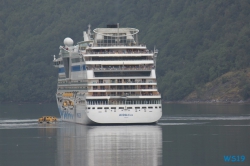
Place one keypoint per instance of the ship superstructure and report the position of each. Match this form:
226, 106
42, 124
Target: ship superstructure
108, 78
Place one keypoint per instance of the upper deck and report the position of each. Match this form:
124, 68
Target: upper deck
106, 52
114, 37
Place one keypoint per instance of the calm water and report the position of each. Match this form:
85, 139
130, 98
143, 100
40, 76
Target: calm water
187, 134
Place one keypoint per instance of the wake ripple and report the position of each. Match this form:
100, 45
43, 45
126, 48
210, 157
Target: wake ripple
22, 123
191, 118
17, 121
179, 124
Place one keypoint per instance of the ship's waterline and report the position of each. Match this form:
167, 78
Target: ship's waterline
107, 78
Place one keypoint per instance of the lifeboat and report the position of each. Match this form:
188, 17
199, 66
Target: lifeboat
48, 119
68, 94
68, 103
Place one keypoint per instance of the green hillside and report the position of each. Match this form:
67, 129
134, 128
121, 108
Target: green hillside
234, 86
198, 40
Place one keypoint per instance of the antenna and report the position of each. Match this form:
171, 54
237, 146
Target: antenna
89, 31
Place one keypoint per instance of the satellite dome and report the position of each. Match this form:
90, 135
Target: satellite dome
68, 41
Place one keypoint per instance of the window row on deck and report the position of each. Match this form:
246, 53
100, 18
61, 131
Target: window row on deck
123, 101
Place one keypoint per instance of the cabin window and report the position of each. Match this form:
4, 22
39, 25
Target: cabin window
137, 107
129, 108
121, 107
117, 73
113, 107
150, 107
75, 60
99, 108
143, 107
106, 107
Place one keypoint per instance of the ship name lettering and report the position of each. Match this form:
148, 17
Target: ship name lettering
125, 114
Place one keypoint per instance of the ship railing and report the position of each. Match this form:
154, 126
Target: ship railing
119, 88
106, 82
116, 82
59, 83
123, 60
71, 88
123, 103
78, 94
71, 82
120, 52
125, 68
76, 82
114, 95
119, 45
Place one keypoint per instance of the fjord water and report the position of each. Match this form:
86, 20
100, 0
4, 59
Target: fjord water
187, 134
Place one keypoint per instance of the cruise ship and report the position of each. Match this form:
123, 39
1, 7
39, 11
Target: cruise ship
108, 78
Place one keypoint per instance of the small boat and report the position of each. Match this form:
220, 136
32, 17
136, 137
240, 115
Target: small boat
48, 119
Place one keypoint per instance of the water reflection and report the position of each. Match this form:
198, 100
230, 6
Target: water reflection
109, 145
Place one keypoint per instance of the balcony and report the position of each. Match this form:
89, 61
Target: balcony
121, 68
120, 81
122, 89
122, 95
127, 51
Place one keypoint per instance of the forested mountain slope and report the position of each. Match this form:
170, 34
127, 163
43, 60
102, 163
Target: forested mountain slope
234, 86
198, 40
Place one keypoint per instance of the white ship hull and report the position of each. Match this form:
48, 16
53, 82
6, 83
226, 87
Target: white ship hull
79, 114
